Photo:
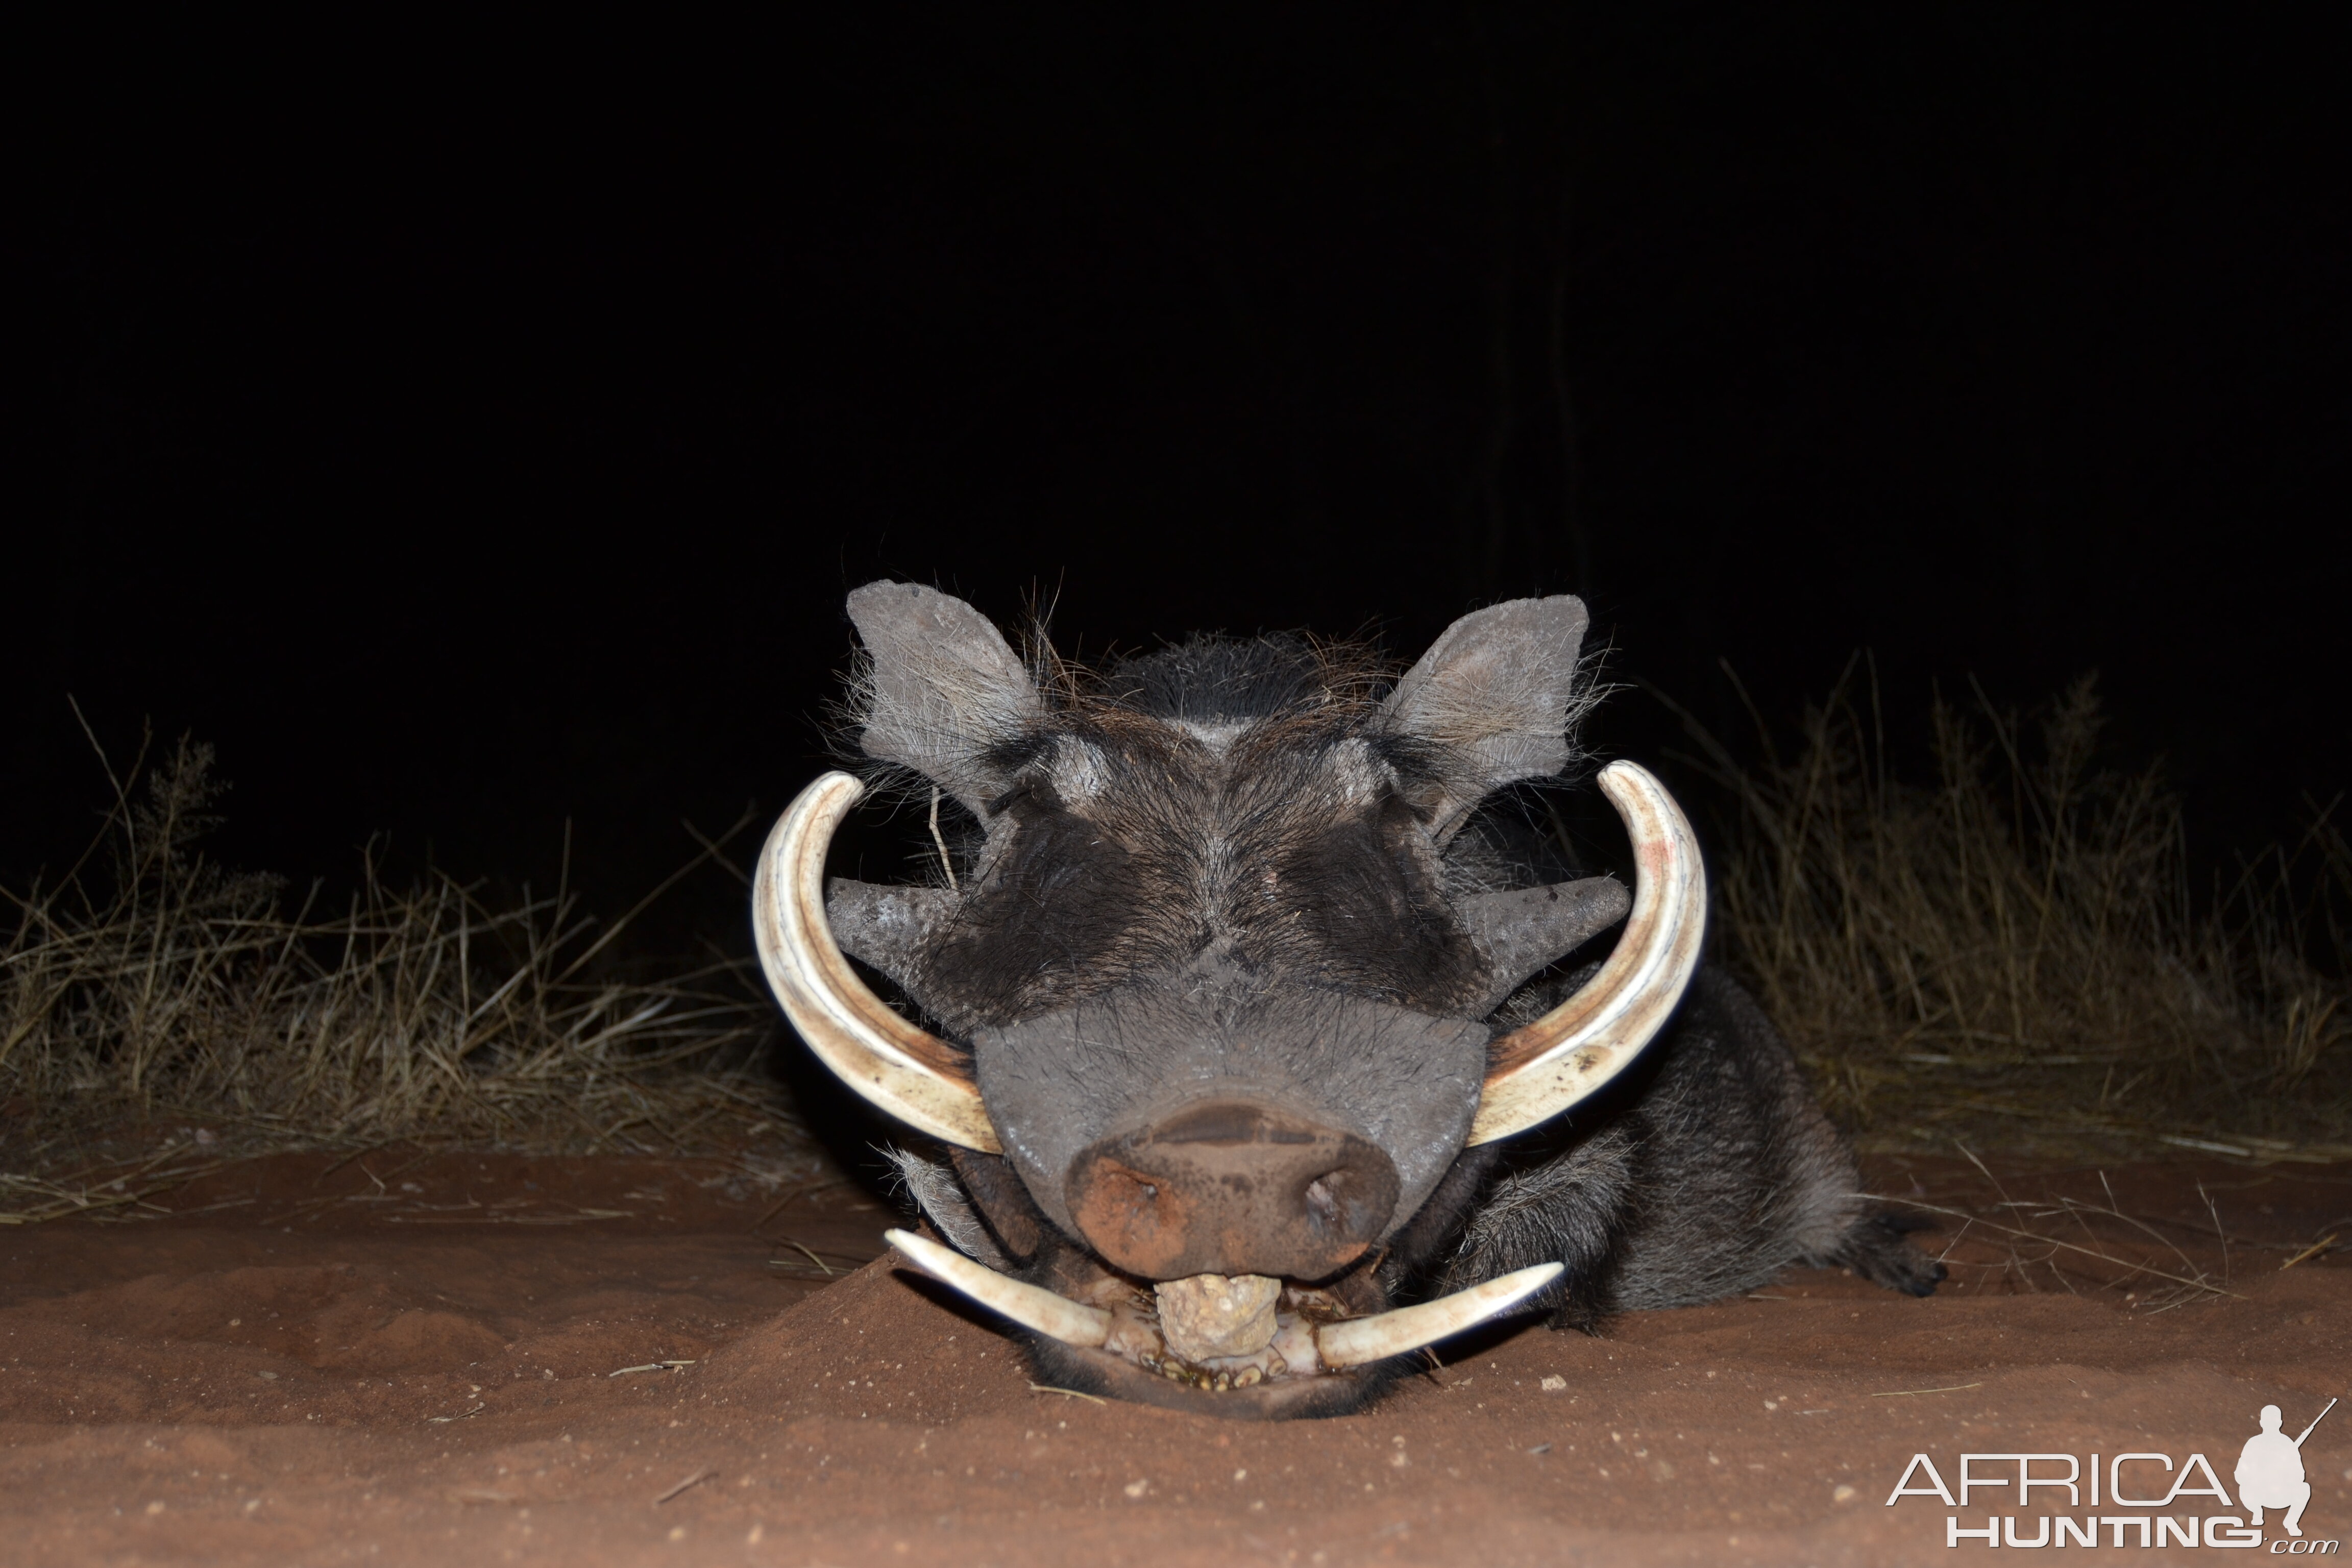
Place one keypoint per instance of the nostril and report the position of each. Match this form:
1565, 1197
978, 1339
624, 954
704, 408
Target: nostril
1322, 1203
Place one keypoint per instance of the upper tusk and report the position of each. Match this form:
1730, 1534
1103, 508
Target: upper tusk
902, 1070
1362, 1340
1540, 1071
1056, 1317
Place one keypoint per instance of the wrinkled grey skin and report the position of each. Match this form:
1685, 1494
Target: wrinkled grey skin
1244, 868
1403, 1081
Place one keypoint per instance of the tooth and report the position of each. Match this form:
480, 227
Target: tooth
1056, 1317
1362, 1340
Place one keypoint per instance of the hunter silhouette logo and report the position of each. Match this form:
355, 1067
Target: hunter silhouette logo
2270, 1470
2269, 1474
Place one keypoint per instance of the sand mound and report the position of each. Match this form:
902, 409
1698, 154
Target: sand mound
297, 1380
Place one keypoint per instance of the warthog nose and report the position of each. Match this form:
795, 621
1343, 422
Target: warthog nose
1228, 1187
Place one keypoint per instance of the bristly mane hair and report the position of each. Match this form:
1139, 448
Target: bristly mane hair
1212, 677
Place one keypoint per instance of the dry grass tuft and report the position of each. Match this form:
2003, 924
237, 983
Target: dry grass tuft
2061, 1242
2017, 944
149, 984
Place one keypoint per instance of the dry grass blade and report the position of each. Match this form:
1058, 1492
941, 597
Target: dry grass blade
2198, 1283
35, 1198
2018, 1229
2314, 1250
149, 983
1912, 1392
1067, 1392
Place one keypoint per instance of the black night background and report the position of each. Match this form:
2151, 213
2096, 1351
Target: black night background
466, 451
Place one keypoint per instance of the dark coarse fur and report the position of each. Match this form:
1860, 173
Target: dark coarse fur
1250, 819
1701, 1172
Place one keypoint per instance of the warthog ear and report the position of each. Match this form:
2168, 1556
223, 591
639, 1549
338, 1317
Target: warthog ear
940, 688
1521, 931
1492, 698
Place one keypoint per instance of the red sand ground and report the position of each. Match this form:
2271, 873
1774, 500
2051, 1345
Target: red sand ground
350, 1364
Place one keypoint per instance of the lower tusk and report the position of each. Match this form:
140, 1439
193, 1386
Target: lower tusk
1336, 1345
1362, 1340
1056, 1317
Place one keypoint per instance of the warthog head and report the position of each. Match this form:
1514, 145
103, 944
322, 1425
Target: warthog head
1210, 1000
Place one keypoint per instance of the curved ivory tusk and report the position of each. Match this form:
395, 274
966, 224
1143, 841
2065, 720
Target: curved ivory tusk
1362, 1340
1538, 1071
900, 1068
1056, 1317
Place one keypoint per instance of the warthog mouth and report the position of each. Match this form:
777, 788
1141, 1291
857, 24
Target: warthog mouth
1243, 1346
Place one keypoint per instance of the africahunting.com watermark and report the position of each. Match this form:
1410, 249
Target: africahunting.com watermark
2272, 1491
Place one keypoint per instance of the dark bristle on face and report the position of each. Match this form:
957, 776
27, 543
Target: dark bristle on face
1224, 793
1246, 883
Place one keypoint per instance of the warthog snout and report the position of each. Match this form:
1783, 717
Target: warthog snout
1229, 1187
